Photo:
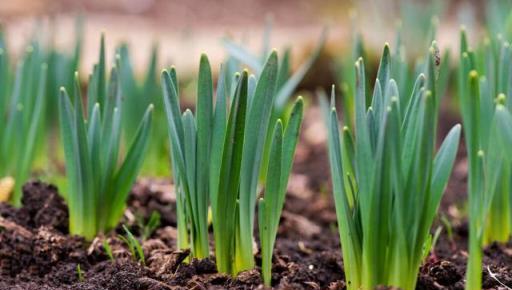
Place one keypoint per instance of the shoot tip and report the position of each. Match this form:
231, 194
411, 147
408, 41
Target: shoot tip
500, 100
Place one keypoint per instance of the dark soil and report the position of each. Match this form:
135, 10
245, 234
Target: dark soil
36, 251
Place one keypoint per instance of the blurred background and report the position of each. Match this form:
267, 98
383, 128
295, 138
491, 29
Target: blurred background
184, 29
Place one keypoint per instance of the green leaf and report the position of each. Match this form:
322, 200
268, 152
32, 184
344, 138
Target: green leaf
271, 205
204, 136
254, 141
134, 245
218, 136
174, 121
232, 158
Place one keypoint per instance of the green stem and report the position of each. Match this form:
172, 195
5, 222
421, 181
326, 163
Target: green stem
474, 268
200, 243
183, 238
244, 258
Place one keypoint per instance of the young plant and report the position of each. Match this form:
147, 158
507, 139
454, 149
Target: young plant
99, 182
483, 91
21, 109
147, 228
217, 157
387, 182
134, 246
108, 249
80, 273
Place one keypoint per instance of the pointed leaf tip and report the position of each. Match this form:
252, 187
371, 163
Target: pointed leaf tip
273, 56
501, 99
300, 99
386, 49
204, 59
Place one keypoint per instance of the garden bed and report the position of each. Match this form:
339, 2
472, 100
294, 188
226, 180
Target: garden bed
36, 251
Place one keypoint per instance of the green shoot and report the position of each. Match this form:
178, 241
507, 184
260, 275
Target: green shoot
79, 273
448, 227
225, 176
435, 238
150, 226
134, 246
430, 244
99, 182
108, 249
387, 182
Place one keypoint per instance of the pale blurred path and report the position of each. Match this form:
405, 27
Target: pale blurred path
184, 29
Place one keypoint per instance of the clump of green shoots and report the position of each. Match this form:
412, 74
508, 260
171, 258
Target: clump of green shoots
22, 107
217, 159
99, 181
484, 91
387, 181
